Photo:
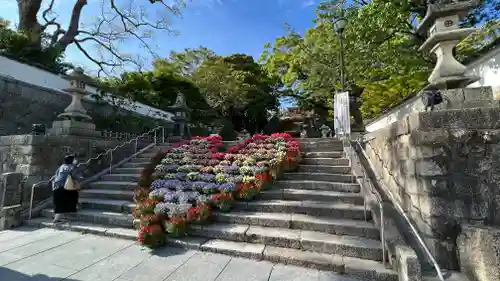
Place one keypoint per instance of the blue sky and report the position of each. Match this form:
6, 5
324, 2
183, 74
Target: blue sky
225, 26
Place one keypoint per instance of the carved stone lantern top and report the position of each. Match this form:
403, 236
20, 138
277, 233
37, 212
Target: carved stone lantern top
77, 81
443, 8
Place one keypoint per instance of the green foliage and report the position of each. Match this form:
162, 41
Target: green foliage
380, 55
227, 131
19, 46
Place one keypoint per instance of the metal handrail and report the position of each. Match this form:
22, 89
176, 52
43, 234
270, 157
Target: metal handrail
394, 202
110, 152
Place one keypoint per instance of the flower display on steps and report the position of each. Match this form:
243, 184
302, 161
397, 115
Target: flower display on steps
182, 185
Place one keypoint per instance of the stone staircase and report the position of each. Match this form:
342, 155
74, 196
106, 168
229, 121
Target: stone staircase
314, 217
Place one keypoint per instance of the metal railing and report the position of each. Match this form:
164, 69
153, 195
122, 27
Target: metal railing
350, 151
158, 132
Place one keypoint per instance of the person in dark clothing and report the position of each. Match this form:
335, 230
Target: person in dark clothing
65, 201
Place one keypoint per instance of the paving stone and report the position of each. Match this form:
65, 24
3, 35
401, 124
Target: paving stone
159, 266
245, 270
280, 237
15, 233
120, 206
113, 266
325, 169
35, 271
186, 242
304, 258
368, 270
318, 185
341, 245
234, 232
113, 184
240, 249
325, 161
36, 235
110, 194
317, 195
332, 276
38, 246
329, 177
335, 226
293, 273
81, 253
99, 217
256, 218
201, 267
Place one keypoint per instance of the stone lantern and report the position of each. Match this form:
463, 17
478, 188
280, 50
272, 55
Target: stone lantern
75, 120
441, 22
181, 116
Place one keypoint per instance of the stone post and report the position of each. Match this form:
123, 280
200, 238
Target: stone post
181, 115
11, 189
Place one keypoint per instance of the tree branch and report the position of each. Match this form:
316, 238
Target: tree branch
74, 23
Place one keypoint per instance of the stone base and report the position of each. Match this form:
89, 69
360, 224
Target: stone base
74, 128
10, 217
468, 98
480, 252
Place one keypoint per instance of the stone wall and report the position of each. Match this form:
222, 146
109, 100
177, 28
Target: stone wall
443, 169
23, 104
37, 157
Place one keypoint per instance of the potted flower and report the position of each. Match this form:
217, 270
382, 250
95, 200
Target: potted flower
223, 201
151, 236
176, 224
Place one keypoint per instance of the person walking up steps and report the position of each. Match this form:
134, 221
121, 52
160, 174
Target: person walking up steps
65, 186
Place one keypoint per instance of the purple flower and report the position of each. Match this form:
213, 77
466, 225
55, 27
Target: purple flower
210, 187
231, 169
170, 197
227, 187
207, 177
172, 184
180, 175
198, 184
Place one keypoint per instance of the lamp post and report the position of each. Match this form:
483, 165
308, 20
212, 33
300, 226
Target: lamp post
339, 26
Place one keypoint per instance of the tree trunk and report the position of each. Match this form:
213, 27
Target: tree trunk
28, 22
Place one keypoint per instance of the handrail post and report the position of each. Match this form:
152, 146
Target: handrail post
110, 161
135, 149
162, 134
154, 136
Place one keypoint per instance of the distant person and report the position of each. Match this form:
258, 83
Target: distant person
65, 191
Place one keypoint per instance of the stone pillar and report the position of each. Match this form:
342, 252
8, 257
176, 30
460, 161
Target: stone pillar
11, 189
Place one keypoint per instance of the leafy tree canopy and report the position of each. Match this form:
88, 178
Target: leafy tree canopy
381, 53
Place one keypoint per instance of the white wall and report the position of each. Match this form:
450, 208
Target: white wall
487, 68
36, 76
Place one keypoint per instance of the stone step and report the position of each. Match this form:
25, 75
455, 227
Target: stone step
301, 221
328, 177
312, 208
99, 217
361, 269
121, 177
110, 194
118, 206
140, 159
349, 246
115, 185
329, 154
313, 195
112, 231
318, 185
326, 161
141, 165
127, 170
324, 169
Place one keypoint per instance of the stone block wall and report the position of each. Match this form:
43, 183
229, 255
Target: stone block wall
37, 157
23, 104
443, 169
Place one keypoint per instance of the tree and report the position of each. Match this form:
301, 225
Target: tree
117, 22
381, 55
238, 89
18, 45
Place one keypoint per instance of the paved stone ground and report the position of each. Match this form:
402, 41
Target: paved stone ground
50, 255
